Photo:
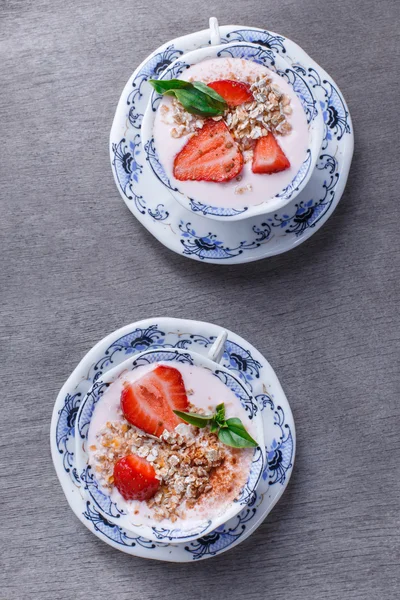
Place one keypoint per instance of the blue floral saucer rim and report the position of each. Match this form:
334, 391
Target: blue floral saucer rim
192, 235
240, 357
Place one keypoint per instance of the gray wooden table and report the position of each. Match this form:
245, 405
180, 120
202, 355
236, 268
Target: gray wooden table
76, 265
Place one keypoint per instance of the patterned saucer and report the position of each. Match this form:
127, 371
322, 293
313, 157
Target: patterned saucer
195, 236
247, 364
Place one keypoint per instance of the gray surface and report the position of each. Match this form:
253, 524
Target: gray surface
76, 265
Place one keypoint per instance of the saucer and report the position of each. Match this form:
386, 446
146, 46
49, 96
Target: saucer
246, 363
190, 234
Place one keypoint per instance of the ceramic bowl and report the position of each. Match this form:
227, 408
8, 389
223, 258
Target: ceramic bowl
165, 530
279, 65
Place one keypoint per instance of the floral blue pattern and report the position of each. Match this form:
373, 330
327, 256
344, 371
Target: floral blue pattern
259, 55
112, 531
303, 92
240, 392
218, 211
307, 214
298, 179
101, 500
280, 453
163, 355
257, 36
240, 360
136, 341
142, 339
153, 68
88, 407
164, 534
336, 116
125, 157
248, 495
222, 537
154, 162
65, 431
127, 169
281, 449
208, 246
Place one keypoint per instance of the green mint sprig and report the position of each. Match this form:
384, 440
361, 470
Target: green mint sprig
196, 97
230, 431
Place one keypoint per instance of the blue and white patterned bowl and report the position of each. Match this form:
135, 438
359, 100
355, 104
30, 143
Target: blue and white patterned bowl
115, 514
187, 233
306, 95
241, 358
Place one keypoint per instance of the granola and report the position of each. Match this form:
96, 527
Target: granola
184, 122
185, 460
268, 112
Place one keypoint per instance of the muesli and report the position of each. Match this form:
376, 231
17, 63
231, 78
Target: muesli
169, 450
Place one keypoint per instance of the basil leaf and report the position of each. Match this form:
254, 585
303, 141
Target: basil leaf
197, 103
220, 414
199, 85
193, 418
236, 427
214, 426
162, 86
230, 432
230, 438
197, 98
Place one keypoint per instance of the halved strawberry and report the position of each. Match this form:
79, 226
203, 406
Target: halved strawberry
233, 92
210, 155
135, 478
149, 402
268, 156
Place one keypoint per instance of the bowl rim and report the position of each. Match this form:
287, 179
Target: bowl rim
228, 214
82, 458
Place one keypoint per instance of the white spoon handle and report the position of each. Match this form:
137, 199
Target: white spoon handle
215, 35
217, 349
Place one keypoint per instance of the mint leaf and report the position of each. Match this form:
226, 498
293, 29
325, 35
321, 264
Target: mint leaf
193, 418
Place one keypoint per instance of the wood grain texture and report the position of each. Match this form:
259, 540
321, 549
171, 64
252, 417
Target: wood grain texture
76, 265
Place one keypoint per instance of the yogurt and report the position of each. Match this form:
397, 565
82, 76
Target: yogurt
252, 189
205, 391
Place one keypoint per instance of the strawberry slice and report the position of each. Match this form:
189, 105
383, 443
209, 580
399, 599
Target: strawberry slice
135, 478
233, 92
149, 402
210, 155
268, 156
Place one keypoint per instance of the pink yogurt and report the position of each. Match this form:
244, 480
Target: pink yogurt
208, 391
263, 186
